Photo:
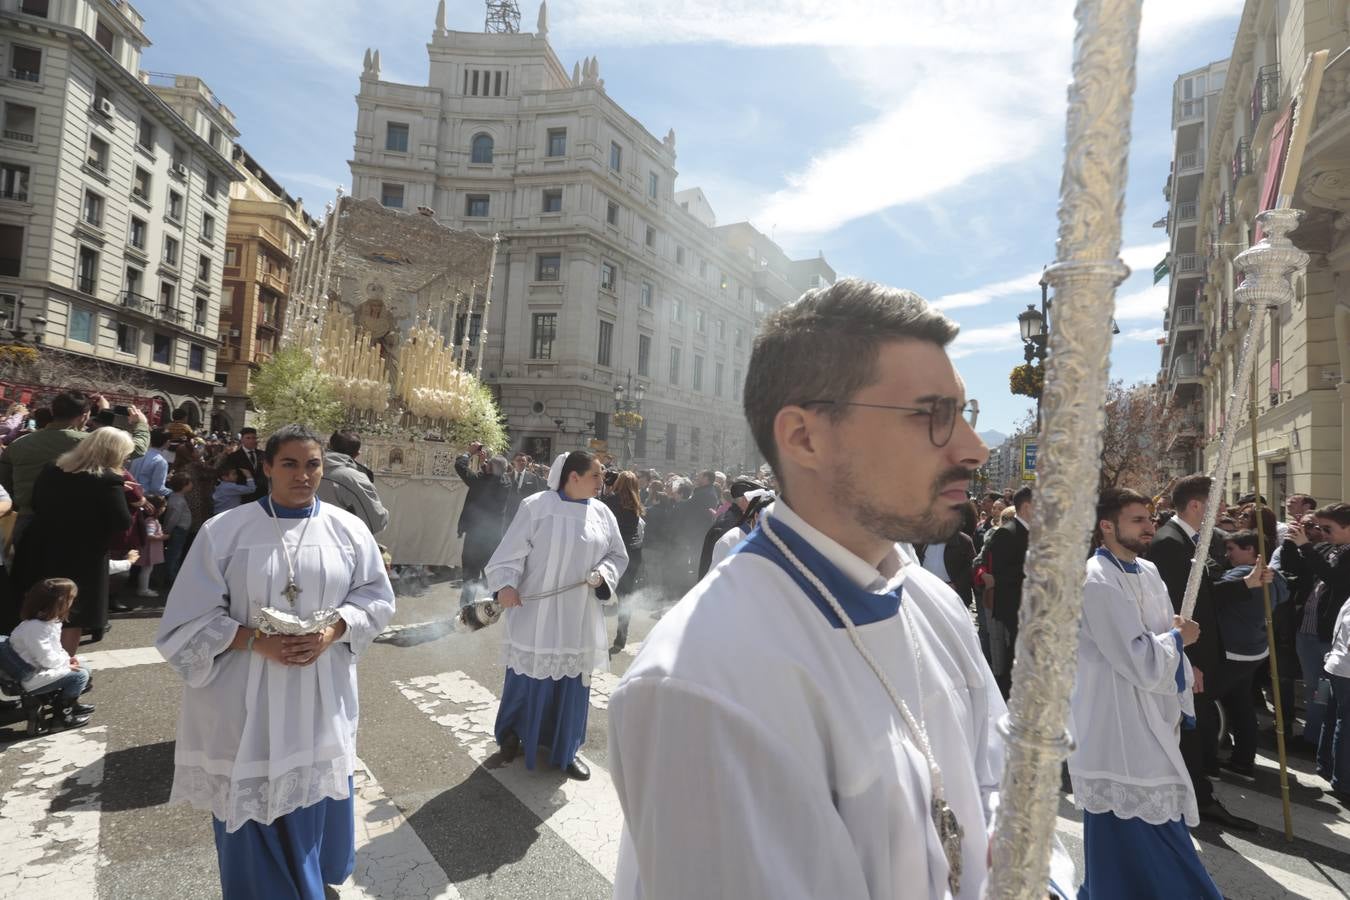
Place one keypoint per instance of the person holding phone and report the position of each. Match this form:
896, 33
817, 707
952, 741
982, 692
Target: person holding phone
25, 459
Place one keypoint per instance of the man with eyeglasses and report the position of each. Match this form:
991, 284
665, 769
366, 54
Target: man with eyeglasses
836, 719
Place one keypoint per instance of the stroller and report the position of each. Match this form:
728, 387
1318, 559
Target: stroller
42, 707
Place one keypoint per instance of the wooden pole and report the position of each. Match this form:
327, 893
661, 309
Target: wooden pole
1270, 621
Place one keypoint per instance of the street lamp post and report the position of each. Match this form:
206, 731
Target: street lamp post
1034, 326
628, 399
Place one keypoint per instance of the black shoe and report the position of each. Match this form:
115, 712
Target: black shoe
67, 719
82, 709
578, 770
1213, 813
1245, 773
118, 606
510, 747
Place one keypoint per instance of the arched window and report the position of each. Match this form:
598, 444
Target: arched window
482, 148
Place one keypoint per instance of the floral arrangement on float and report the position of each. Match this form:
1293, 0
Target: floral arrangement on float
628, 420
1027, 380
434, 397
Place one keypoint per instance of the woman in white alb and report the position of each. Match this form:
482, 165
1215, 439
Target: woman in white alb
561, 555
266, 738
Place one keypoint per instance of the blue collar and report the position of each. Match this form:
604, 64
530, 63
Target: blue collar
566, 499
1131, 568
862, 606
288, 512
744, 527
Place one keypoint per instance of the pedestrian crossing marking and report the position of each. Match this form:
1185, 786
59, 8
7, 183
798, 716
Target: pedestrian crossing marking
103, 660
391, 860
49, 818
585, 814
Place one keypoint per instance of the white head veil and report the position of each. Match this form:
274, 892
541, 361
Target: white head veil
555, 472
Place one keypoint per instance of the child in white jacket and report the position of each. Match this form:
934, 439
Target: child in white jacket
37, 641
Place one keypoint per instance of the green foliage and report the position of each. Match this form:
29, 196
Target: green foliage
290, 388
481, 422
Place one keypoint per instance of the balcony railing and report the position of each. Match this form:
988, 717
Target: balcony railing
1189, 264
1190, 160
1185, 315
85, 284
1242, 160
140, 302
1226, 211
171, 313
23, 136
1187, 211
25, 75
1183, 366
1265, 93
14, 194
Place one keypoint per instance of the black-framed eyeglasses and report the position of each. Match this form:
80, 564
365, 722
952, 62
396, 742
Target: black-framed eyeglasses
941, 414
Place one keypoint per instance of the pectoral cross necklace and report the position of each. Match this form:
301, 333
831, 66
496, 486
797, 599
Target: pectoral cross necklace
949, 830
291, 590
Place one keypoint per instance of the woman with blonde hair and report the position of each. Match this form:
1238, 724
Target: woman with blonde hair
79, 508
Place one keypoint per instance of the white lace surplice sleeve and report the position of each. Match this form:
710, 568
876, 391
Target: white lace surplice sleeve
1144, 659
612, 565
507, 565
370, 603
196, 626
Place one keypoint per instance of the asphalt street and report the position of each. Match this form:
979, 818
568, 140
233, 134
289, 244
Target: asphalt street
83, 813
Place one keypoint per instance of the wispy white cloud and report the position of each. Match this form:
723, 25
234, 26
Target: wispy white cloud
962, 88
1139, 257
983, 340
1143, 335
1148, 303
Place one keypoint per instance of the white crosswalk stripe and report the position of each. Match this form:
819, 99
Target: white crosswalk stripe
585, 814
104, 660
391, 860
49, 818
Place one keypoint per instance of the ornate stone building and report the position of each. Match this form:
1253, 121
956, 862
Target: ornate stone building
1302, 394
606, 275
265, 232
113, 186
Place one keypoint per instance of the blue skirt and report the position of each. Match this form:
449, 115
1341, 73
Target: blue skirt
1130, 859
544, 712
291, 859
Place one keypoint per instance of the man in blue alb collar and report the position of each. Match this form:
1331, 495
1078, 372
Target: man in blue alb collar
836, 719
1132, 696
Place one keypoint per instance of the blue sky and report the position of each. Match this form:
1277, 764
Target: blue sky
914, 142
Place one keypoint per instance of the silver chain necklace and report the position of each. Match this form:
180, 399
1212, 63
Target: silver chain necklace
949, 829
291, 590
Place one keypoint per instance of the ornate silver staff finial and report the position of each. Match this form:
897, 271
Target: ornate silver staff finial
1267, 268
1085, 275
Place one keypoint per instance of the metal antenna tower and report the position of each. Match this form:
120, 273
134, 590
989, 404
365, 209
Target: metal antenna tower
503, 17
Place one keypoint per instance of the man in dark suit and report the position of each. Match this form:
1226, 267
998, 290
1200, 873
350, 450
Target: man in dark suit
1008, 556
248, 457
521, 484
1172, 550
480, 521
